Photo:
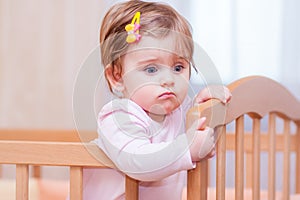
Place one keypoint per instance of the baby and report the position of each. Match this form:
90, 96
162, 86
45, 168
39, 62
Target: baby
147, 51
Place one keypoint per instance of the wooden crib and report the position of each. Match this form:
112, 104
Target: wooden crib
254, 96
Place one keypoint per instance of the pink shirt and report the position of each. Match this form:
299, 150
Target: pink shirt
155, 153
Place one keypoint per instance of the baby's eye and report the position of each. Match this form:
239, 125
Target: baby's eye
178, 68
151, 69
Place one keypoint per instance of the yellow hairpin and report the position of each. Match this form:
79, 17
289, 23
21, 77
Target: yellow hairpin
133, 29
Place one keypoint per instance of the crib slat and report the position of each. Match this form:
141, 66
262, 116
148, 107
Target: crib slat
239, 155
221, 165
256, 159
272, 141
36, 171
75, 183
249, 169
131, 189
22, 182
298, 160
286, 161
197, 181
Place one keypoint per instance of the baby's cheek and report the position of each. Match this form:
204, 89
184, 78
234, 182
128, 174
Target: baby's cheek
142, 96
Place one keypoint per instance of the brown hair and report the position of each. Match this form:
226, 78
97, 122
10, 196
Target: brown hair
155, 17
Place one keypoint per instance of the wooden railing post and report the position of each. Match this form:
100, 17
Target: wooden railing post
298, 160
272, 156
22, 181
197, 181
36, 171
131, 188
256, 159
76, 183
239, 156
286, 161
221, 165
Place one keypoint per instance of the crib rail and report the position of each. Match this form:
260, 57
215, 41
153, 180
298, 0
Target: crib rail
43, 153
46, 135
53, 154
257, 97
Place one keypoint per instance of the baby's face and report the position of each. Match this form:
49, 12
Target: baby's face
155, 79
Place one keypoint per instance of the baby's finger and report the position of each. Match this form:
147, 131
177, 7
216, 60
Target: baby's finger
211, 154
201, 123
223, 94
198, 124
200, 99
227, 95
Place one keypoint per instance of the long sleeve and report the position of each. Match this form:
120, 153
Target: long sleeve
137, 146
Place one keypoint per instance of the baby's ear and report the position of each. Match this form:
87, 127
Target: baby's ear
114, 77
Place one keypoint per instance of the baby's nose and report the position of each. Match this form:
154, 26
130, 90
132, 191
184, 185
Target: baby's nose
167, 79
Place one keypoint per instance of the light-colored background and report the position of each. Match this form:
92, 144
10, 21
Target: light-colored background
43, 43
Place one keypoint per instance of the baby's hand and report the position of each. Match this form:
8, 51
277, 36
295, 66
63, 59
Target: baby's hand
214, 92
203, 141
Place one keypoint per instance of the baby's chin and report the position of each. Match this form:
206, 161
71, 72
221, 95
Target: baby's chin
158, 109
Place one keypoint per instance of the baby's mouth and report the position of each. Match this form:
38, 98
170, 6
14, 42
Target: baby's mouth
167, 95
